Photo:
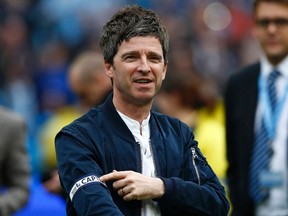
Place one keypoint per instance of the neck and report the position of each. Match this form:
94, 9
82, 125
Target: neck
134, 111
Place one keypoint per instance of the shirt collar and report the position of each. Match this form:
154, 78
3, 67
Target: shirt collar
135, 126
267, 68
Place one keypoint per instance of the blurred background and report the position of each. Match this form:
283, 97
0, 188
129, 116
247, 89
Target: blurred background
39, 39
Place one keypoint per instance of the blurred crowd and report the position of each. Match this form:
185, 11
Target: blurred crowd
39, 39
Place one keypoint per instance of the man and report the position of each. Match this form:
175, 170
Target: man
14, 163
88, 80
121, 158
257, 119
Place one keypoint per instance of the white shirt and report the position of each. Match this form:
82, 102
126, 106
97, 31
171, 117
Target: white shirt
277, 203
141, 133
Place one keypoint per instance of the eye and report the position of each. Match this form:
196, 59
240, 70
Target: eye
278, 22
281, 22
263, 23
155, 58
130, 58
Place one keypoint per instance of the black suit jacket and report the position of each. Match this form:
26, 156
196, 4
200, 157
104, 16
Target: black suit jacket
241, 98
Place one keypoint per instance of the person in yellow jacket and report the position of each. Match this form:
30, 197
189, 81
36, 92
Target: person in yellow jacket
193, 100
210, 132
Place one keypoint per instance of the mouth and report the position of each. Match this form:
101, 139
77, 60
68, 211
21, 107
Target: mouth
143, 81
272, 45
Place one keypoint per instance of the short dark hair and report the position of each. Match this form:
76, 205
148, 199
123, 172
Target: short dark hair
257, 2
129, 22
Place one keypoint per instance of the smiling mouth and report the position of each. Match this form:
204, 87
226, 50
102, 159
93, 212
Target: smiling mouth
144, 81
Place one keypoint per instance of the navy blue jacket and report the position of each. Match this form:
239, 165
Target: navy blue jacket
99, 142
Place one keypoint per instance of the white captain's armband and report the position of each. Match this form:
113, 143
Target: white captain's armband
84, 181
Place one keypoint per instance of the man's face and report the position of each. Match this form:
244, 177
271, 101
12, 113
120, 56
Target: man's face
271, 30
138, 70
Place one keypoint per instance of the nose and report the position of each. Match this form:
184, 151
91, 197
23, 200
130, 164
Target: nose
143, 65
271, 27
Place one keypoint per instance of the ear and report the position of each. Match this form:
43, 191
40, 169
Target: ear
108, 69
164, 71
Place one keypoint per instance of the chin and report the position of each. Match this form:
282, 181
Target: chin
276, 57
145, 99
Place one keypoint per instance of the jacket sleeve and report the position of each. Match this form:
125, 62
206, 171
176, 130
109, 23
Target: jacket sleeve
198, 191
79, 172
15, 168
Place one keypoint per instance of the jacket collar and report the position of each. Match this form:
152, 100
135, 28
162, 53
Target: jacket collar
114, 118
121, 128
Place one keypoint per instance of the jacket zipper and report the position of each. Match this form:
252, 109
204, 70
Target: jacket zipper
153, 157
194, 156
141, 170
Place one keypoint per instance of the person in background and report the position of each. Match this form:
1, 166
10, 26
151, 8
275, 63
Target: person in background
15, 173
88, 80
194, 100
256, 105
122, 158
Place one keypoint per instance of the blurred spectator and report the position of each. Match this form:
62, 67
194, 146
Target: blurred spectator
88, 80
16, 67
194, 100
17, 89
14, 163
47, 133
53, 96
256, 105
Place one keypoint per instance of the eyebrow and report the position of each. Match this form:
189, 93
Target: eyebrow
150, 53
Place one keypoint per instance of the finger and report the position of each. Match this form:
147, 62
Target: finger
106, 177
114, 175
118, 184
121, 192
110, 176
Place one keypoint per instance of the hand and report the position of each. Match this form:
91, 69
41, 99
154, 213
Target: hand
135, 186
53, 185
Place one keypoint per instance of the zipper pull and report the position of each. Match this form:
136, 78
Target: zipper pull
194, 156
194, 153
